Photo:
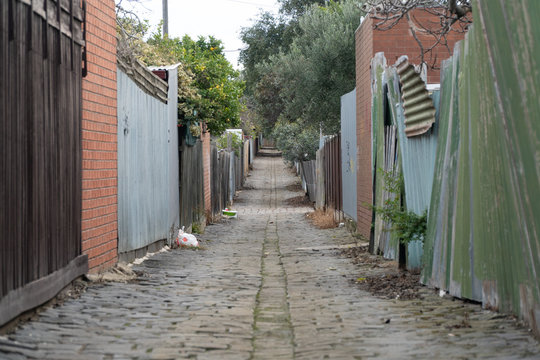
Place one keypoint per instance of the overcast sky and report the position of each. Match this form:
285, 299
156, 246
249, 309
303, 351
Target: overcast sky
222, 19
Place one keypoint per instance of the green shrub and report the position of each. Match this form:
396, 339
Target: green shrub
407, 225
236, 141
296, 141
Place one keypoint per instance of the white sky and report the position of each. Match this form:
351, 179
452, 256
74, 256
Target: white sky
222, 19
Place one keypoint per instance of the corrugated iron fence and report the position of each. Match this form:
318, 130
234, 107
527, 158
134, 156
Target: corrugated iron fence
400, 153
483, 239
476, 169
40, 151
148, 179
348, 153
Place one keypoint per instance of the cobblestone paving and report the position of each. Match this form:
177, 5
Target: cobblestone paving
267, 285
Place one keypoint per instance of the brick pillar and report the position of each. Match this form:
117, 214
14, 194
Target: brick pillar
207, 173
99, 138
364, 187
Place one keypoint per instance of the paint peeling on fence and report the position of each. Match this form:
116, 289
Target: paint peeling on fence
483, 239
418, 107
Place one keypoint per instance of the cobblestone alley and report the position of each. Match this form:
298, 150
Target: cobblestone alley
268, 285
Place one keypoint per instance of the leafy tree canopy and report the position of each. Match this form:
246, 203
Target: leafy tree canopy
297, 140
320, 65
306, 79
266, 37
218, 85
209, 89
297, 8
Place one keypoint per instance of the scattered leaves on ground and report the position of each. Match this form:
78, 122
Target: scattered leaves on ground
381, 277
299, 201
296, 187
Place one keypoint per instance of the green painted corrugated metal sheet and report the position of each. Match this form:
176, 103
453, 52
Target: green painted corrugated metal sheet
483, 239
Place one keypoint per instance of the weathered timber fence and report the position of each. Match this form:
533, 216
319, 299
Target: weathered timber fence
218, 183
148, 200
229, 172
220, 180
40, 151
327, 185
332, 174
191, 184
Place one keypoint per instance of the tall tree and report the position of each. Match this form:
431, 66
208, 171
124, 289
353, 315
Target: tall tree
319, 66
268, 35
297, 8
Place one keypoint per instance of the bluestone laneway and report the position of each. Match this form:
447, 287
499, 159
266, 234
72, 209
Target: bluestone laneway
268, 285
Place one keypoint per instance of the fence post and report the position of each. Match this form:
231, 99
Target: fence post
320, 200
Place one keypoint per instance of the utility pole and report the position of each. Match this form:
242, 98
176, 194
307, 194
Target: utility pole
165, 17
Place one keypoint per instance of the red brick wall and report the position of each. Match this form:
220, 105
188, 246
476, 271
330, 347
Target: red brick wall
99, 217
206, 169
399, 41
394, 43
364, 53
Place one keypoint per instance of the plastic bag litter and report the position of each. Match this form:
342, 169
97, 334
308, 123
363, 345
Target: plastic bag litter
186, 239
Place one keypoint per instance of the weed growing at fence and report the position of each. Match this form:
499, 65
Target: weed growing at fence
196, 228
407, 225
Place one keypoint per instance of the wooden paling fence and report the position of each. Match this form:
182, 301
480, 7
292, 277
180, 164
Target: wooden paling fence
327, 185
229, 171
220, 180
40, 151
191, 184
